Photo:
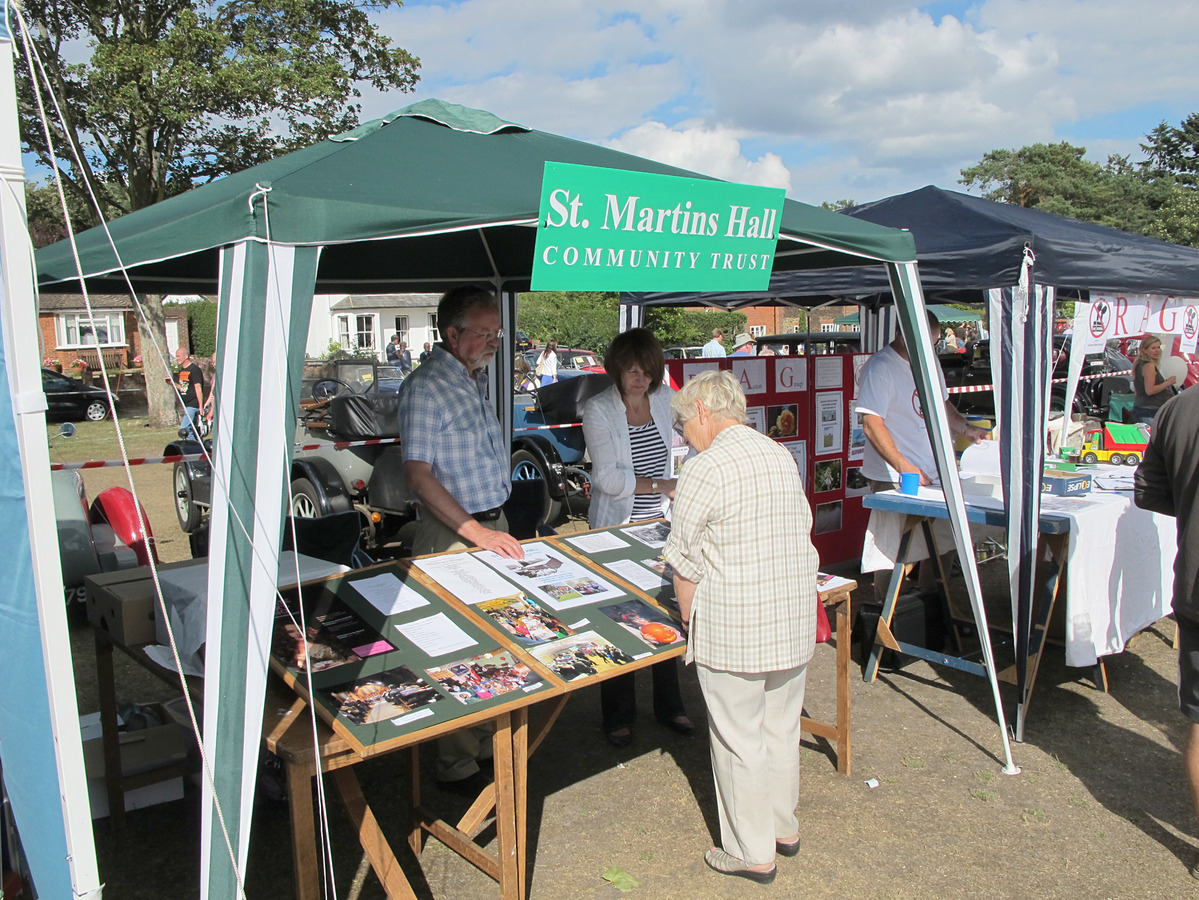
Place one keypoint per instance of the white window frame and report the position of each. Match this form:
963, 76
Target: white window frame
68, 322
434, 334
829, 326
401, 328
757, 331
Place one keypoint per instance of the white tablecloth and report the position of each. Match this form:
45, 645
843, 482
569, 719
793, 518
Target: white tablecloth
1120, 565
1119, 577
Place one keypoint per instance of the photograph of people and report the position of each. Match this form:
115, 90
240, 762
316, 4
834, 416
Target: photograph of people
628, 433
745, 577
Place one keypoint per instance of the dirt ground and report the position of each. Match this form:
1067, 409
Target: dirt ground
1099, 810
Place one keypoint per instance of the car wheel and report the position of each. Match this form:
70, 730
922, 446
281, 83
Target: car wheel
189, 514
526, 467
305, 501
1090, 459
96, 411
1116, 459
1132, 459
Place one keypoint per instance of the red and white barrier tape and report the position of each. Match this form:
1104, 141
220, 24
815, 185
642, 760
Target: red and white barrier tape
980, 388
192, 457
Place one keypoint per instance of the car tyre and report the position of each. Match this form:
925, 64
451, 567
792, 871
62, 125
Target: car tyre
526, 467
189, 514
305, 501
96, 411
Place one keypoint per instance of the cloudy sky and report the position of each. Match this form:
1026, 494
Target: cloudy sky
830, 99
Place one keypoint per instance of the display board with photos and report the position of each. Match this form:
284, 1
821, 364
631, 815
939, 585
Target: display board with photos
389, 657
632, 553
561, 608
806, 404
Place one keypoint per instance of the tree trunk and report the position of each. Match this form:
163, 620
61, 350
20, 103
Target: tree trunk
160, 396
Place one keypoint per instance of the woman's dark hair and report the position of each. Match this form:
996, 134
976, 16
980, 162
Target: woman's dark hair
635, 347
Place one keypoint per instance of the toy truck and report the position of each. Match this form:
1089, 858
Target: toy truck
1114, 443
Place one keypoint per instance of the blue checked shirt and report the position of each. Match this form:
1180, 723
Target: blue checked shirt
446, 421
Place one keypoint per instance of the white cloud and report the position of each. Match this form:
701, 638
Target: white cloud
709, 151
862, 97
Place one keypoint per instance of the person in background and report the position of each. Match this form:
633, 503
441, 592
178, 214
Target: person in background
404, 359
766, 351
1152, 391
427, 352
457, 465
628, 433
743, 345
189, 382
1167, 482
392, 350
714, 349
209, 409
547, 363
896, 436
745, 578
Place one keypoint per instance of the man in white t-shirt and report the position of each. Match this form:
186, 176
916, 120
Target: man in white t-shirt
714, 349
896, 437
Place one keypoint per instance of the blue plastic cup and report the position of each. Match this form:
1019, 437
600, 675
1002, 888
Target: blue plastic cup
909, 483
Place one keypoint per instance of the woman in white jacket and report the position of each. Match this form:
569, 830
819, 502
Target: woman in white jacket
629, 432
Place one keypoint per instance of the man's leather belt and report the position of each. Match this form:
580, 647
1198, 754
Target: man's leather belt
488, 515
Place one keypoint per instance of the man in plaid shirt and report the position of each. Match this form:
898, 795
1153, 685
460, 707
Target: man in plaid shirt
456, 464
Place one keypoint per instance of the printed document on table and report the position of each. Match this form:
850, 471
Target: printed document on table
636, 574
437, 635
551, 577
652, 535
388, 594
465, 577
598, 542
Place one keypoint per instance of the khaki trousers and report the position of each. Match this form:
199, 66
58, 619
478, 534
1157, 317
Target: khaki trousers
753, 723
458, 753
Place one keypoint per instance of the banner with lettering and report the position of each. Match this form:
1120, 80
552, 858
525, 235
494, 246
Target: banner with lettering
615, 230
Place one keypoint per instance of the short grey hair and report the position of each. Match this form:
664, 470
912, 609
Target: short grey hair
457, 303
719, 392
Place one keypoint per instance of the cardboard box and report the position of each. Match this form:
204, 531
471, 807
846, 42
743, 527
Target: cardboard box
142, 753
121, 604
1065, 484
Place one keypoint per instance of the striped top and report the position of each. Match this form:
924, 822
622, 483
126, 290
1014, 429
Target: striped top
649, 457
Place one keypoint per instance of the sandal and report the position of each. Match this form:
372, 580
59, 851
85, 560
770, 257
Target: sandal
727, 864
787, 848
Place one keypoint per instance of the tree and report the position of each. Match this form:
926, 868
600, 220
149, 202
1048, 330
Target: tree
680, 327
179, 92
585, 320
1057, 179
1173, 152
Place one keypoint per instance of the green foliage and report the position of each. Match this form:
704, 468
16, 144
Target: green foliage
678, 327
334, 350
834, 205
1057, 179
1173, 152
1178, 219
201, 325
585, 320
177, 94
44, 214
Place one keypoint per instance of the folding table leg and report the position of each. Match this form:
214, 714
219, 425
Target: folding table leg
888, 611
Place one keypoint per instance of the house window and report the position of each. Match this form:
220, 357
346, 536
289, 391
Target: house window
364, 332
356, 332
80, 330
401, 328
757, 330
828, 326
434, 335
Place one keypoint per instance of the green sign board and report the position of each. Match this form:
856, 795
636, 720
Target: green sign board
616, 230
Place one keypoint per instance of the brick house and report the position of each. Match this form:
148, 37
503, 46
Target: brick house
761, 320
68, 333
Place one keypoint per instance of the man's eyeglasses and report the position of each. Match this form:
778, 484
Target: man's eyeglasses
498, 334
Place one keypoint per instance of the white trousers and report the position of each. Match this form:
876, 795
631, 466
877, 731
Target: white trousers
753, 722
